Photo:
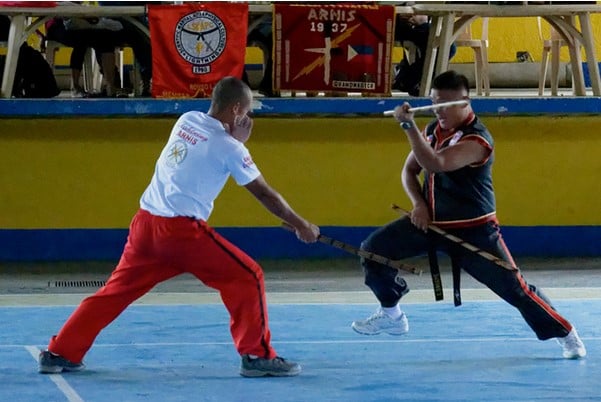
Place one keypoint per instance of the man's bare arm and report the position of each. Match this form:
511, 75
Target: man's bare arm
277, 205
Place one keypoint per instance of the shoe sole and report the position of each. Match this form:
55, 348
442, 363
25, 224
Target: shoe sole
260, 373
573, 356
394, 333
58, 369
50, 370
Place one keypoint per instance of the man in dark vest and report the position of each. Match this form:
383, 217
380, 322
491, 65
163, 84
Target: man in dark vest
455, 154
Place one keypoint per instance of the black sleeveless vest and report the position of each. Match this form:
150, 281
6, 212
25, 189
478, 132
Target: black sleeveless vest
464, 197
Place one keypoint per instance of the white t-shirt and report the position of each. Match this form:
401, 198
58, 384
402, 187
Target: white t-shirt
194, 166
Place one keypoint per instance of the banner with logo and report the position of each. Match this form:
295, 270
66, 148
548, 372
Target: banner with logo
195, 45
333, 47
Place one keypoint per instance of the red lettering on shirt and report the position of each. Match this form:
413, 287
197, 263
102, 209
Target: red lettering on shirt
247, 161
188, 129
186, 137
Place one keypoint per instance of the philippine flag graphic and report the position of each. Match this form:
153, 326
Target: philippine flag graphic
360, 53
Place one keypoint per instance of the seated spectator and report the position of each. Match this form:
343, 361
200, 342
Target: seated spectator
131, 36
101, 34
412, 32
262, 37
33, 76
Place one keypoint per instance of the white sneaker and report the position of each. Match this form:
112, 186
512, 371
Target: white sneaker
381, 322
572, 345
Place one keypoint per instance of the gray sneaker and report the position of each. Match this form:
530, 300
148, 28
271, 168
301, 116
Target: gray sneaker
260, 367
573, 347
381, 322
50, 363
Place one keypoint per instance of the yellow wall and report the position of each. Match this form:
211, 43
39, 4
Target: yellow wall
510, 35
89, 173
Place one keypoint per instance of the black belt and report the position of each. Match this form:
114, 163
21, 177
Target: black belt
456, 282
435, 272
436, 280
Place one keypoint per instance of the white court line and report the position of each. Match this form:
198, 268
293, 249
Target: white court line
319, 342
416, 296
61, 383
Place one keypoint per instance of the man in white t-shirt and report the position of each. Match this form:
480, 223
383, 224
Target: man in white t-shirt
169, 236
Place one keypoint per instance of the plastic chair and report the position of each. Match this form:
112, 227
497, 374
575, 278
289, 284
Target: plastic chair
480, 48
551, 45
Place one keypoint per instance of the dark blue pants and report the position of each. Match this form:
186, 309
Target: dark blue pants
401, 239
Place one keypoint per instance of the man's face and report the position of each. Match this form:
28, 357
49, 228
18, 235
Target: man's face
451, 116
241, 117
242, 108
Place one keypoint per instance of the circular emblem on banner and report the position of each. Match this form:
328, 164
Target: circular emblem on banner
200, 37
176, 153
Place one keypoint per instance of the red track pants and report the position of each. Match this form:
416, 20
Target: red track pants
160, 248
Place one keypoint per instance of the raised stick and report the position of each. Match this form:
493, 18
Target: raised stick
362, 253
430, 107
469, 246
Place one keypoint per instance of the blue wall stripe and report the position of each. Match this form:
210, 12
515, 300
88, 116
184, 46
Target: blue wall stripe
288, 106
273, 242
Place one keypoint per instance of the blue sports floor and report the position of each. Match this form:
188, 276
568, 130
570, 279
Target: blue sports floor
481, 351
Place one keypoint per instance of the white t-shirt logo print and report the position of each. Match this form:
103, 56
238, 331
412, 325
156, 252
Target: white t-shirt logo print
176, 153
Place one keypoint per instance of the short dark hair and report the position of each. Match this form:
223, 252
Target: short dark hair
451, 80
228, 91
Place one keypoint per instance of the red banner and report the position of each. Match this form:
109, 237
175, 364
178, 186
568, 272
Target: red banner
333, 47
195, 45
